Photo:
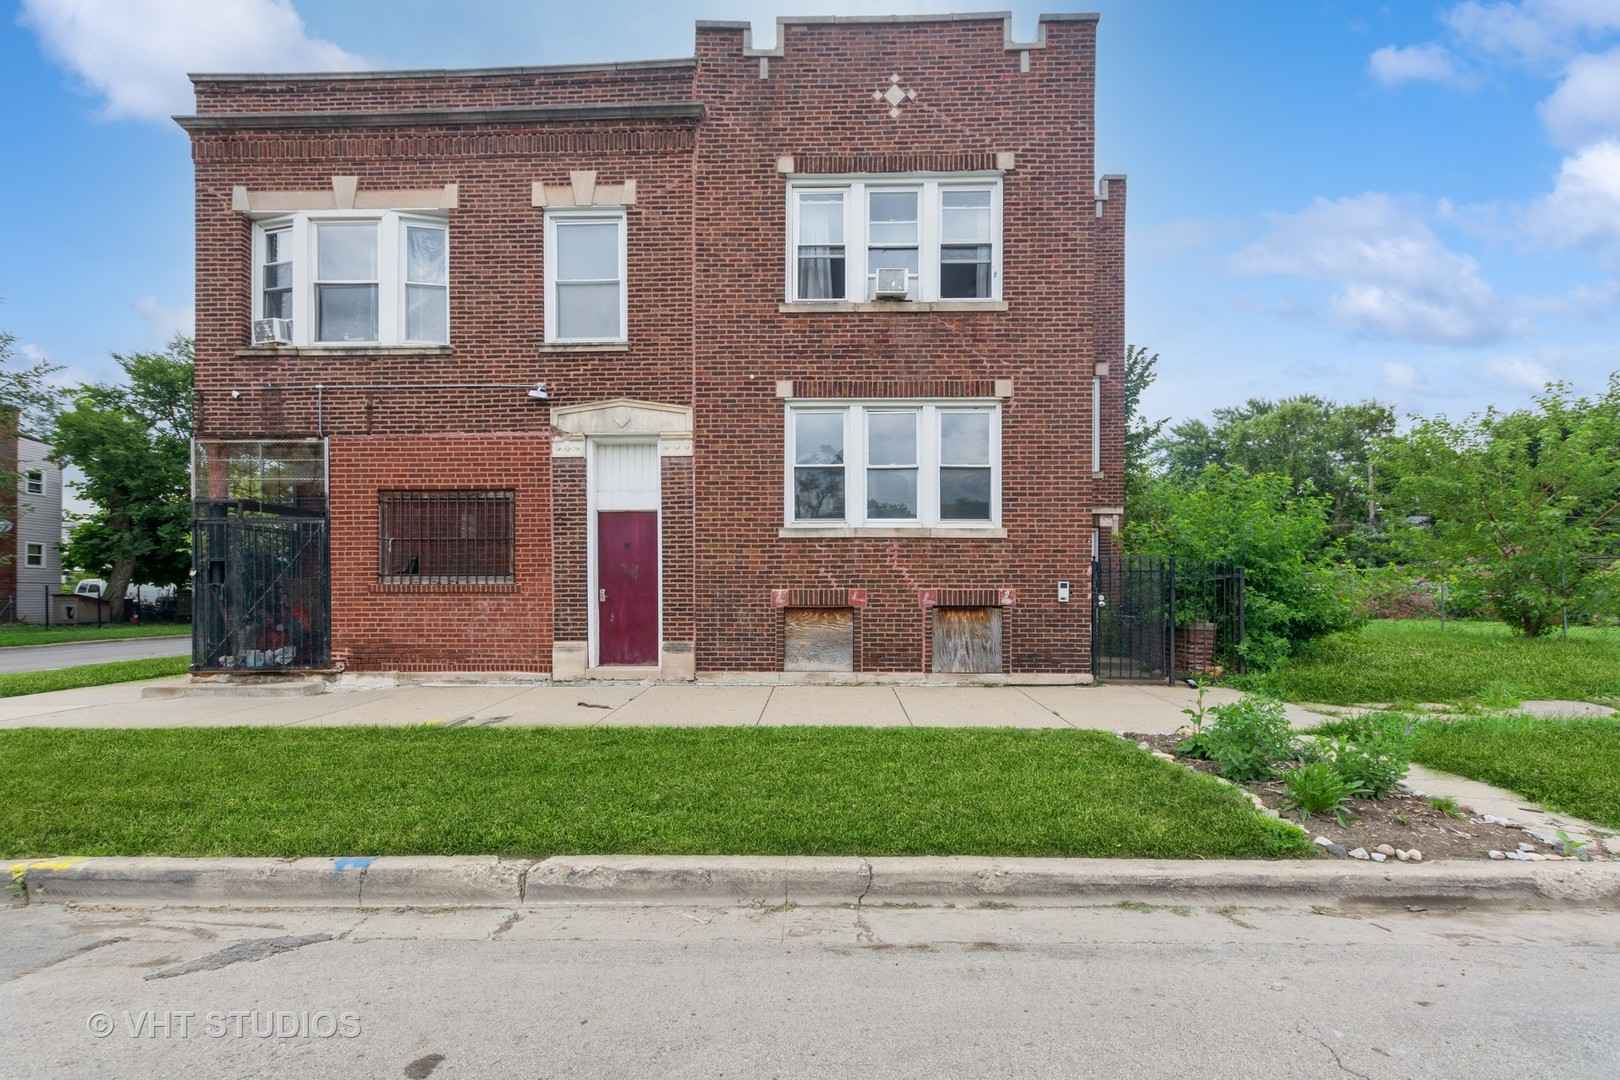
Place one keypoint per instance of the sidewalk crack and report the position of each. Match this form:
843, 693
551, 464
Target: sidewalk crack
902, 703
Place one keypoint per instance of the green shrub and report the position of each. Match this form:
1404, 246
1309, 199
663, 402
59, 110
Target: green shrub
1246, 740
1372, 757
1318, 788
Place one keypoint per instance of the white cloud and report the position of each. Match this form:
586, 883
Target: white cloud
1583, 209
1516, 372
136, 53
1393, 65
1586, 105
1533, 31
1393, 276
1404, 377
163, 321
33, 353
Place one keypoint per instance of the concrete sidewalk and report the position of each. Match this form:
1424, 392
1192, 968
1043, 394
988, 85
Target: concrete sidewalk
1138, 708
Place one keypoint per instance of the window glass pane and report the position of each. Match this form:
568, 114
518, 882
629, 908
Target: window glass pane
588, 312
818, 493
425, 255
964, 494
893, 206
891, 438
891, 493
964, 272
346, 312
588, 251
821, 217
964, 217
346, 251
274, 242
278, 276
883, 258
964, 438
278, 304
427, 314
818, 438
821, 273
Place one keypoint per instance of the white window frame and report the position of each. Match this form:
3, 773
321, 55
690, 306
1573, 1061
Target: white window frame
31, 478
391, 272
858, 276
33, 551
928, 462
593, 214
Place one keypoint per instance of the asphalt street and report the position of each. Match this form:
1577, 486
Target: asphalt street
1137, 990
74, 653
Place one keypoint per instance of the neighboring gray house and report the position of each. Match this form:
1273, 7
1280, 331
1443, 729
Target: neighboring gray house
36, 537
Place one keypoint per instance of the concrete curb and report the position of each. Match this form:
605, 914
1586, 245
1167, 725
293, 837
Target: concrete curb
744, 880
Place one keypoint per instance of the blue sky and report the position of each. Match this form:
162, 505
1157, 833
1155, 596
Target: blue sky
1414, 202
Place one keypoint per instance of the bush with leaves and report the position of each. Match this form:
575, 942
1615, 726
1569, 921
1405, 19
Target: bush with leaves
1246, 740
1374, 758
1318, 788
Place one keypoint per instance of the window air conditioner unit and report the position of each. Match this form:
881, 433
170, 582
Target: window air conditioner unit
891, 282
272, 331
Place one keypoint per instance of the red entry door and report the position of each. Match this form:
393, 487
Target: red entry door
627, 587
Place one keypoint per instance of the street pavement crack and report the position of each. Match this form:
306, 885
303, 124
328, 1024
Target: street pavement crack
1336, 1059
241, 952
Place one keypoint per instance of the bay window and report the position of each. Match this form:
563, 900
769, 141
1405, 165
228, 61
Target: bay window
354, 278
944, 234
884, 464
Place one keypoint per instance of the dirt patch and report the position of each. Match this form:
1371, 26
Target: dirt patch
1400, 820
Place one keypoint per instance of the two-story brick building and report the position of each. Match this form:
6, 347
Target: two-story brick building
798, 359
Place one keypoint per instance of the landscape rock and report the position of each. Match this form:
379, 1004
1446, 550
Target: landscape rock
1402, 855
1385, 849
1378, 856
1492, 819
1415, 855
1527, 847
1497, 854
1322, 841
1359, 853
1338, 849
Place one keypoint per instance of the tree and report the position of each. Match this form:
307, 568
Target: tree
132, 441
1293, 591
1320, 446
27, 390
1139, 432
1523, 507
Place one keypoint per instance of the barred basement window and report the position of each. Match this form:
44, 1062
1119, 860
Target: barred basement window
446, 537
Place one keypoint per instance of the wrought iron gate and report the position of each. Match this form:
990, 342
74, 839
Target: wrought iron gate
1161, 619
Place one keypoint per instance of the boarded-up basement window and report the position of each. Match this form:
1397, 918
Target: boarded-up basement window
819, 639
967, 639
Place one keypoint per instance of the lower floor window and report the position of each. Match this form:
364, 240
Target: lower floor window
893, 463
446, 537
34, 555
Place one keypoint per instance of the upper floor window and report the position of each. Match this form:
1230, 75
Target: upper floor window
940, 239
894, 463
347, 278
34, 481
586, 273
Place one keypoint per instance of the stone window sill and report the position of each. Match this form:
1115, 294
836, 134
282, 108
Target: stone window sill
585, 346
880, 532
346, 350
891, 307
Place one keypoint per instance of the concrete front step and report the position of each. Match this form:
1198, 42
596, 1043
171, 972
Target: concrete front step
261, 687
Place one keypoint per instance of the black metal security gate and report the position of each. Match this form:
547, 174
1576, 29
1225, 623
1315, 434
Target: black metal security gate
261, 596
1162, 619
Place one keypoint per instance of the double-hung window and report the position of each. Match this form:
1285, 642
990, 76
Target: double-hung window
34, 481
586, 272
883, 464
355, 278
942, 233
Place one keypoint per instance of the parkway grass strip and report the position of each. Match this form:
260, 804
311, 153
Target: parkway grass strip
554, 791
72, 678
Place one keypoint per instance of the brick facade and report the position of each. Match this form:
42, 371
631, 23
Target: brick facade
704, 141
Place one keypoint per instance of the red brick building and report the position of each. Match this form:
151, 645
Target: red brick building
799, 359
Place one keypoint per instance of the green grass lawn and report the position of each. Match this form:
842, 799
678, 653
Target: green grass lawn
71, 678
27, 634
1568, 765
1417, 661
545, 791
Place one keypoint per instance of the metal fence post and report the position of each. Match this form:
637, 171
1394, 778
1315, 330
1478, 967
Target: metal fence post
1170, 673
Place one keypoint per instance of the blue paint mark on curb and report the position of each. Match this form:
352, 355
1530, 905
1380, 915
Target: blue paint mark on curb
354, 862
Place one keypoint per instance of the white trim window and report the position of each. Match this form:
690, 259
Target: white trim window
944, 232
893, 463
34, 554
34, 481
355, 278
586, 273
